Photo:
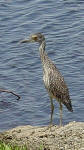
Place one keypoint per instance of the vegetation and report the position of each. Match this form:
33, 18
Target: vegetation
4, 146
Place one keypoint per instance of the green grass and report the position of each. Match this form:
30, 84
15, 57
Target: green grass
41, 147
4, 146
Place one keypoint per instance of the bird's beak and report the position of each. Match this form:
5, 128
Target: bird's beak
25, 41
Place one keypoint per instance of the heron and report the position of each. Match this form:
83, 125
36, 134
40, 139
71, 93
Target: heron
53, 80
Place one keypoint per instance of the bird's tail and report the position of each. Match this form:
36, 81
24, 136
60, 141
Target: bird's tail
69, 105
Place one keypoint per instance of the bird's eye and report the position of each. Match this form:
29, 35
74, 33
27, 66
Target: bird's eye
34, 38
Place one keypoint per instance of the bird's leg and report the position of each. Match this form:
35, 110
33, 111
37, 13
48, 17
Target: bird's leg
60, 113
52, 110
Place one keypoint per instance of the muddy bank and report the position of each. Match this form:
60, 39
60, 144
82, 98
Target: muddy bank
68, 137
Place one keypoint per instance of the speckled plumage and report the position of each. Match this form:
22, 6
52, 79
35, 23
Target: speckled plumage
53, 80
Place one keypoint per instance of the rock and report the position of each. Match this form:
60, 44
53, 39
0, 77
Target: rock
68, 137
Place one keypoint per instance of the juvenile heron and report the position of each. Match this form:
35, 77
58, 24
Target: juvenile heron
53, 80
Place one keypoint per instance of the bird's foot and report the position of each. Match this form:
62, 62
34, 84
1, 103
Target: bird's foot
60, 125
50, 127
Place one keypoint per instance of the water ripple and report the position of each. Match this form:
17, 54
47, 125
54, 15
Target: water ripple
62, 23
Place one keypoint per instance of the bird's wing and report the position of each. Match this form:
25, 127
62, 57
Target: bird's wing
57, 84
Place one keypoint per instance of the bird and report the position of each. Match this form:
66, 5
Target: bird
53, 80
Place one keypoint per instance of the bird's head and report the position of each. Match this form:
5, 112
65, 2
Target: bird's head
38, 37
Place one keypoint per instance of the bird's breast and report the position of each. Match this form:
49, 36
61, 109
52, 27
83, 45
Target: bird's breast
46, 80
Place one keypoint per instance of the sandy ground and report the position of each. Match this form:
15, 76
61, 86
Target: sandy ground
68, 137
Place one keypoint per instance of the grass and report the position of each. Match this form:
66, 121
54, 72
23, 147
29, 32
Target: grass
4, 146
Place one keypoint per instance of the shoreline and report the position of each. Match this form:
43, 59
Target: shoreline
68, 137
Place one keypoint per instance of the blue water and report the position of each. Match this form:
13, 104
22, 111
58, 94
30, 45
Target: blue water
62, 23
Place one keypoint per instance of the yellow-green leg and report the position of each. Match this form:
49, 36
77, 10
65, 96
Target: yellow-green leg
60, 113
52, 110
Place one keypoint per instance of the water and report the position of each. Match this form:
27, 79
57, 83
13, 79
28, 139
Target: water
62, 23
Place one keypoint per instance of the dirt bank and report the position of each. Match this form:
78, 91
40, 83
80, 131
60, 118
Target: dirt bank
68, 137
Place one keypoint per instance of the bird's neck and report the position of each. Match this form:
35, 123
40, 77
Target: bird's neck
43, 54
42, 46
